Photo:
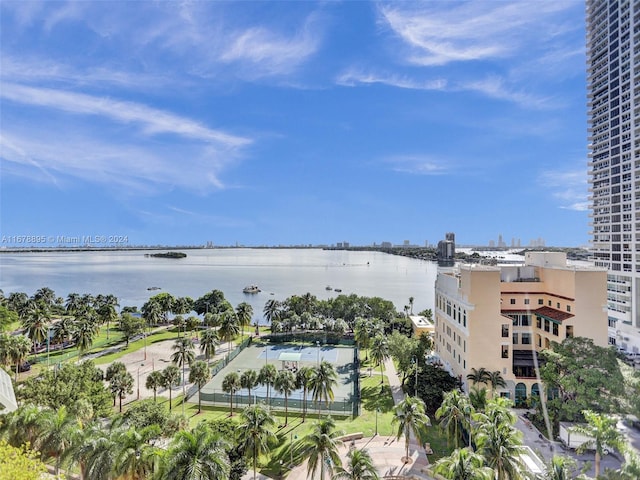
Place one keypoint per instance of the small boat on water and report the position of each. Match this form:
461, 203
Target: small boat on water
154, 288
328, 287
337, 290
251, 289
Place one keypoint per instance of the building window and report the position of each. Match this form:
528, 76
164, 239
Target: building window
505, 330
569, 331
549, 302
512, 301
538, 322
547, 325
568, 308
514, 338
555, 329
505, 351
526, 338
464, 318
540, 301
526, 301
558, 305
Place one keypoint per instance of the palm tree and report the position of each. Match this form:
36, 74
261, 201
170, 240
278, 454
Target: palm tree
73, 303
63, 329
478, 398
83, 335
362, 334
36, 324
603, 433
116, 368
183, 355
559, 468
410, 416
249, 380
455, 416
463, 464
501, 446
95, 451
285, 383
323, 380
208, 342
152, 312
303, 380
496, 380
480, 375
320, 447
196, 455
411, 299
359, 467
229, 328
271, 310
267, 376
200, 375
244, 312
136, 458
231, 384
154, 381
380, 352
57, 431
19, 348
170, 379
256, 432
22, 426
121, 386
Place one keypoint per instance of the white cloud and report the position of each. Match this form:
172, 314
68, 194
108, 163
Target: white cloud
152, 121
354, 77
439, 33
418, 164
568, 187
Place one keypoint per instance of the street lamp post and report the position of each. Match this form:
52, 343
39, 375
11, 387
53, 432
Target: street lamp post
141, 365
415, 389
318, 346
377, 410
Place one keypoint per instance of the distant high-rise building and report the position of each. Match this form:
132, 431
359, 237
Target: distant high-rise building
614, 158
447, 250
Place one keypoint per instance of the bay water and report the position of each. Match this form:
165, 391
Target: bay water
279, 273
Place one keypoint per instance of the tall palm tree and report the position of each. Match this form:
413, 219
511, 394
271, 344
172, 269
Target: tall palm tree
480, 375
455, 416
410, 416
136, 458
267, 376
249, 380
602, 431
229, 328
95, 451
36, 324
200, 375
501, 446
170, 379
411, 299
478, 398
244, 312
560, 468
323, 381
73, 302
320, 447
182, 356
22, 426
463, 464
121, 386
83, 335
231, 384
272, 310
58, 429
154, 381
152, 312
359, 467
496, 380
256, 432
196, 455
63, 329
285, 384
208, 342
380, 352
303, 380
19, 348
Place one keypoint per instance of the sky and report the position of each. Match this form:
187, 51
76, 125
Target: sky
287, 123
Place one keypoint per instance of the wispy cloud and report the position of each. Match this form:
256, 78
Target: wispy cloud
355, 77
568, 187
152, 121
439, 33
418, 164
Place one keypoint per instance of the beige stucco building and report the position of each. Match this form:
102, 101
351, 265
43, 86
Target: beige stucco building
498, 317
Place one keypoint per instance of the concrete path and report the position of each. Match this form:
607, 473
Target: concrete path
394, 381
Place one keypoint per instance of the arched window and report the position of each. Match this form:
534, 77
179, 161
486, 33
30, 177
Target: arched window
521, 394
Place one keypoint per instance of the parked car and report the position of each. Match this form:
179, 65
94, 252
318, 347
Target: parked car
24, 367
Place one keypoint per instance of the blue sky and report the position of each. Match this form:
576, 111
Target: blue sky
268, 123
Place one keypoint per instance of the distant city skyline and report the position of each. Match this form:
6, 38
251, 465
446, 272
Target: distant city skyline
284, 123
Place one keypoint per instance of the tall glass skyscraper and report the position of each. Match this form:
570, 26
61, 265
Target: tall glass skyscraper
613, 81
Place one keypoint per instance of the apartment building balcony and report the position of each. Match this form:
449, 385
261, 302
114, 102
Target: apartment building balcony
524, 364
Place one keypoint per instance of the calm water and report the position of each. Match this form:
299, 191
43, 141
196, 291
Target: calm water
279, 273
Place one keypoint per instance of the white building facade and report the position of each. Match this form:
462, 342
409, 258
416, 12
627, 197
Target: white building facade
613, 85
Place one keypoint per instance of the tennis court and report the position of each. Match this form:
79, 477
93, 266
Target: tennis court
290, 357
